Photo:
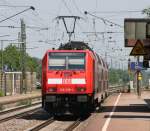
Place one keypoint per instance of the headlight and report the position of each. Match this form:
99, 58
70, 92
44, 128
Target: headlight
50, 98
52, 89
82, 98
81, 89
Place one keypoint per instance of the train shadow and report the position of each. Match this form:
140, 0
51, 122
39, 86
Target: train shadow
39, 115
133, 108
141, 108
147, 101
128, 116
71, 117
43, 115
132, 111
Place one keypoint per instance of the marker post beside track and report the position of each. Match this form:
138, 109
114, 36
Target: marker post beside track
138, 81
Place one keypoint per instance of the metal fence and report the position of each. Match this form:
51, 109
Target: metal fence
10, 82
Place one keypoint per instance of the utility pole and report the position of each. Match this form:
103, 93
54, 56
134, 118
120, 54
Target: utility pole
138, 81
1, 65
19, 40
111, 63
23, 87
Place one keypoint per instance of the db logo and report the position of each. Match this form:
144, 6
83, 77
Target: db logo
66, 81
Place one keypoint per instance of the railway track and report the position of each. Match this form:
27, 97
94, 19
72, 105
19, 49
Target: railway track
19, 108
73, 125
51, 120
42, 125
19, 114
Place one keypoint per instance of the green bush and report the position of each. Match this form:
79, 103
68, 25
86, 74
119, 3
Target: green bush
1, 93
1, 107
25, 102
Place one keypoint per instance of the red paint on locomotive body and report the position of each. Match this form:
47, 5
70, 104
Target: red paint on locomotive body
72, 73
70, 79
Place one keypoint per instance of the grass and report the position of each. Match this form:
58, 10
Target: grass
1, 107
1, 93
25, 102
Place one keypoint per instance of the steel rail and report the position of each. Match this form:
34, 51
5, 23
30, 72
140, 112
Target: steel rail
113, 89
18, 100
73, 125
19, 108
19, 115
42, 125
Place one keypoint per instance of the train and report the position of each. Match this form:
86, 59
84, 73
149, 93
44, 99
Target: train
74, 79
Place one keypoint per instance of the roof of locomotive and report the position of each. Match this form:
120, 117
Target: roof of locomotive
75, 45
72, 46
67, 50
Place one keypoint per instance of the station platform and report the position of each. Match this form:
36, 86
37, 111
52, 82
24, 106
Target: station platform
19, 97
122, 112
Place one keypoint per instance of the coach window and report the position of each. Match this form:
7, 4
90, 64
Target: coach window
148, 30
102, 75
105, 75
99, 60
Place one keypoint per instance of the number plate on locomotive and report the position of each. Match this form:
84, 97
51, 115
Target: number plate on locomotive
66, 81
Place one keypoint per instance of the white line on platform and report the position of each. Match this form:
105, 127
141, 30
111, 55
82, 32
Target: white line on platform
110, 115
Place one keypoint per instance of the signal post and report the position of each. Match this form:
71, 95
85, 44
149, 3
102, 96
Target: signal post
138, 50
137, 35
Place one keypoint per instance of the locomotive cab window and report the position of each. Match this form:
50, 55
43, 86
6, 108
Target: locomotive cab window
76, 62
57, 62
68, 61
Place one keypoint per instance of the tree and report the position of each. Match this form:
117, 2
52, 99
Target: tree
34, 65
117, 76
11, 57
146, 11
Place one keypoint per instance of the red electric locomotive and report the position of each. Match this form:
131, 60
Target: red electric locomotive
74, 79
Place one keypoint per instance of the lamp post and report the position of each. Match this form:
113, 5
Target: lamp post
1, 65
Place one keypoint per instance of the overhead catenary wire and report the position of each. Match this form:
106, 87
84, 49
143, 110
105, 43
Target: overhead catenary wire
77, 8
4, 16
19, 6
65, 4
104, 19
36, 14
30, 27
6, 3
105, 32
31, 7
56, 26
69, 10
59, 7
117, 12
9, 19
35, 28
79, 25
31, 18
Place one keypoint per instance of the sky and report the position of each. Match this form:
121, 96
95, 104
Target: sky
109, 46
